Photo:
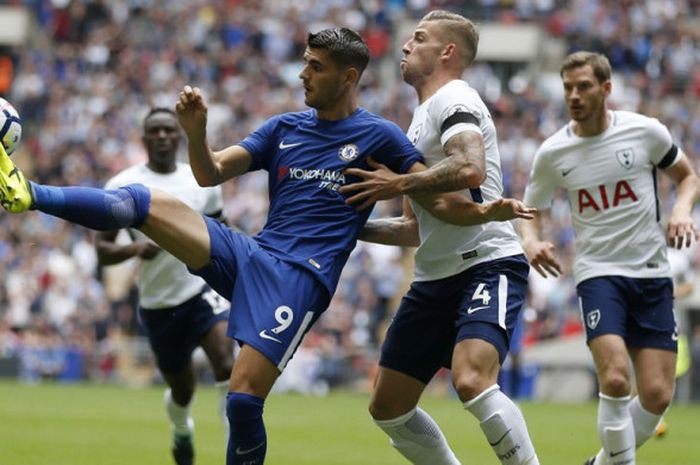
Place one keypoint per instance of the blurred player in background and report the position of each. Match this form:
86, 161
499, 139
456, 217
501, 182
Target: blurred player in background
470, 281
607, 162
178, 310
280, 281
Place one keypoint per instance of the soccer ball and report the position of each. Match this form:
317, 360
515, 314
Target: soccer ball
10, 126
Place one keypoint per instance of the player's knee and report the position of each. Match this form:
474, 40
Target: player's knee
380, 408
470, 383
614, 384
222, 367
656, 397
182, 394
141, 197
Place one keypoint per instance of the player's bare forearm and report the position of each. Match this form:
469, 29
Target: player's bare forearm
463, 168
681, 228
109, 252
456, 209
400, 231
202, 162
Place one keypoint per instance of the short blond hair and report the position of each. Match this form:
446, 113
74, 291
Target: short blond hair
459, 30
599, 63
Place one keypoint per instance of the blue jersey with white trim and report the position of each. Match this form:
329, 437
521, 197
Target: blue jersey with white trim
309, 222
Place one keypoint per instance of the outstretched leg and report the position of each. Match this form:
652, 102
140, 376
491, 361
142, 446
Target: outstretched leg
169, 222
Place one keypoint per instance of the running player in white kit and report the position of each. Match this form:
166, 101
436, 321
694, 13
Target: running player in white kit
607, 161
470, 281
178, 310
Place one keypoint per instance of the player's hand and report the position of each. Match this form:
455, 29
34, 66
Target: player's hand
379, 184
509, 209
542, 258
681, 231
192, 112
147, 250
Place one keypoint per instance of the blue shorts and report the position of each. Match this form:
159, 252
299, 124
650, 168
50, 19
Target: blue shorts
273, 303
175, 332
481, 302
639, 310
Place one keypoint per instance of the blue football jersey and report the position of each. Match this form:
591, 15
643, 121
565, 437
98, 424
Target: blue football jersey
309, 222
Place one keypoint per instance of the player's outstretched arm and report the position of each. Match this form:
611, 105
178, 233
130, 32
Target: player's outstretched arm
681, 229
109, 252
455, 208
540, 253
209, 168
402, 230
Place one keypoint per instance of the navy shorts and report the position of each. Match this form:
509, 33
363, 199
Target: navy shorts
640, 310
481, 302
175, 332
273, 302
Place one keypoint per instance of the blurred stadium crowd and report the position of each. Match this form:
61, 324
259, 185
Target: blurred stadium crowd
91, 69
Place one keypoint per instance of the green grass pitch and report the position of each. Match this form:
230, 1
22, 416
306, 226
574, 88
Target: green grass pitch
107, 425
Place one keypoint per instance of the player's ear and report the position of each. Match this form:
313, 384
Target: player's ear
352, 76
449, 51
607, 87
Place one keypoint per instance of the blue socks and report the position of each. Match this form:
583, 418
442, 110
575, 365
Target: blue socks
247, 441
99, 209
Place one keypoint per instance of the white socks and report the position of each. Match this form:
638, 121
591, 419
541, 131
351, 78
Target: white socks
616, 431
504, 427
180, 417
644, 424
222, 390
644, 421
418, 438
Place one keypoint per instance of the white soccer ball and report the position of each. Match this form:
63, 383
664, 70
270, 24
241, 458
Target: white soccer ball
10, 126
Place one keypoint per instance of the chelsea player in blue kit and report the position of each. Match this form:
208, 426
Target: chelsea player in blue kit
281, 280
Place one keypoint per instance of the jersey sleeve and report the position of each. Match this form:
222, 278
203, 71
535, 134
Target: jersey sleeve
455, 112
540, 187
215, 200
396, 151
261, 144
662, 150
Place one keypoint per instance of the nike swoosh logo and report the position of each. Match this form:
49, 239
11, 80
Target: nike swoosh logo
263, 334
240, 451
566, 172
476, 309
494, 444
615, 454
288, 146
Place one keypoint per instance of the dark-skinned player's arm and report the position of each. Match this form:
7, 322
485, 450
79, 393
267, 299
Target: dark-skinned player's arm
111, 252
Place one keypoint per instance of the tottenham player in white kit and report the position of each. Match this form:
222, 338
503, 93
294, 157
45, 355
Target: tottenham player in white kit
607, 161
470, 281
177, 309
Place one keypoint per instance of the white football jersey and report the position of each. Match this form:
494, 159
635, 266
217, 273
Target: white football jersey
610, 181
164, 281
448, 249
